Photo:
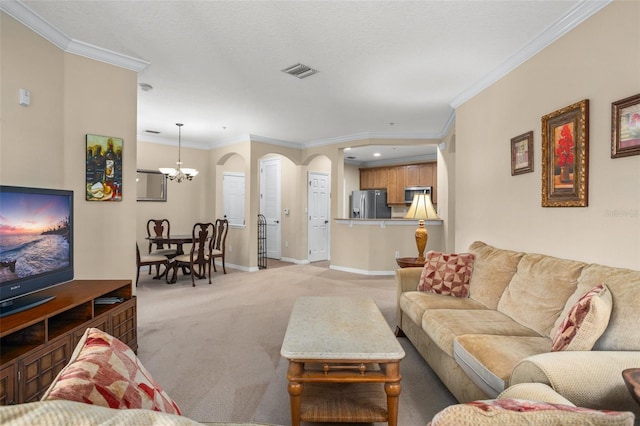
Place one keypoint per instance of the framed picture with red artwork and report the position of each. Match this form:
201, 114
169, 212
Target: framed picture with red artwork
565, 156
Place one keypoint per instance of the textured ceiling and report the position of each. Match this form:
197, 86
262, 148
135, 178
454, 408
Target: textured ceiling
216, 65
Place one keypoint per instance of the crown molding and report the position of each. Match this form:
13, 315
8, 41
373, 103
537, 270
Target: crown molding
366, 135
581, 12
26, 16
171, 142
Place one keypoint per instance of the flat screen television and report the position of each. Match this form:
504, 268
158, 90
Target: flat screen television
36, 245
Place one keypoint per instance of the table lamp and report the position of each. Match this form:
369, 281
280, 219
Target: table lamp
421, 209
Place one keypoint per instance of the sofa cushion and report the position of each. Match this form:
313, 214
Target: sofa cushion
446, 273
623, 331
104, 371
444, 325
539, 290
72, 413
585, 322
516, 412
415, 303
493, 269
488, 359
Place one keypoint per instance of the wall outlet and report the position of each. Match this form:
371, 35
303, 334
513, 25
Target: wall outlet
286, 243
230, 249
397, 254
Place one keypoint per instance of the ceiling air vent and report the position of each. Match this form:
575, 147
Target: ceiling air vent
300, 70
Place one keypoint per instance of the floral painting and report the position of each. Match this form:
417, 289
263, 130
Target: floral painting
625, 127
565, 139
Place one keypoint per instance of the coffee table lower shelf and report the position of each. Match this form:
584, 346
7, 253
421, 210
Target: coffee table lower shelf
344, 402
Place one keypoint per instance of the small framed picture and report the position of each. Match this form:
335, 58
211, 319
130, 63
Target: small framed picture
522, 154
565, 156
625, 127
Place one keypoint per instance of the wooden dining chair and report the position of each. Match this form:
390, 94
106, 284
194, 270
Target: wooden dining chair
150, 260
200, 255
219, 243
159, 228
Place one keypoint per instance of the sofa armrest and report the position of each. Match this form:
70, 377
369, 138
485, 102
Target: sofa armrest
406, 280
534, 392
591, 379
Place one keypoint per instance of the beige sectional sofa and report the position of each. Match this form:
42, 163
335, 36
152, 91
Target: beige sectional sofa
501, 334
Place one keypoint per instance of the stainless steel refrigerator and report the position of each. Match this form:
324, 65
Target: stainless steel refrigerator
370, 204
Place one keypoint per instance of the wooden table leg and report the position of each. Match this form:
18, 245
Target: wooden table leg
295, 391
393, 389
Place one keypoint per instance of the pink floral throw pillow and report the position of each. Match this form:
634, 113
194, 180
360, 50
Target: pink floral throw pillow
585, 322
516, 412
104, 371
446, 273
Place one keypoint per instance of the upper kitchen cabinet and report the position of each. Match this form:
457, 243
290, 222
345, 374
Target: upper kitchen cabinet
374, 178
395, 188
367, 179
396, 178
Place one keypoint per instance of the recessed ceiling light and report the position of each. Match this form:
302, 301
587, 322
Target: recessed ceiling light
145, 87
347, 149
155, 132
377, 154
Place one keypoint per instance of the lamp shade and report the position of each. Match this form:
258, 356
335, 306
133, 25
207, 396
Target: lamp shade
422, 208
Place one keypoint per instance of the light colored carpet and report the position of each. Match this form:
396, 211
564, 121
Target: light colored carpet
216, 348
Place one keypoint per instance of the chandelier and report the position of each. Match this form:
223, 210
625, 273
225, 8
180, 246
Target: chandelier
179, 173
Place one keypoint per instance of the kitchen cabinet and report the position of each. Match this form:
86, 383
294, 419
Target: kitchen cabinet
367, 179
395, 178
395, 188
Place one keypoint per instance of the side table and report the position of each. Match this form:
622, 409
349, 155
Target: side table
631, 377
408, 262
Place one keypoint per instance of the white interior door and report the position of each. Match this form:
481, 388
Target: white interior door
319, 208
270, 204
233, 198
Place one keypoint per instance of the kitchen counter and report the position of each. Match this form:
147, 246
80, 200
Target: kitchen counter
371, 246
385, 221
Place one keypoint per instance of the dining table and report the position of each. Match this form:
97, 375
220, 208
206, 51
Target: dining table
179, 240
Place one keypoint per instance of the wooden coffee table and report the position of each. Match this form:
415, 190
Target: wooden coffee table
344, 362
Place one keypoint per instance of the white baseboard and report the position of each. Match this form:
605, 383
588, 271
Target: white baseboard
361, 271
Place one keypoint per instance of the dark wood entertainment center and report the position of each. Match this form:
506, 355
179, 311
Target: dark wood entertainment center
37, 343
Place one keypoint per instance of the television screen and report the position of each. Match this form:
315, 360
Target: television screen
36, 244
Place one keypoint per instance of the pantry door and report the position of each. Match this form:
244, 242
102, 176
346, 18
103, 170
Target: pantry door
270, 204
319, 208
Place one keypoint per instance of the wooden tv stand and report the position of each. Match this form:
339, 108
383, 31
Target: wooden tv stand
37, 343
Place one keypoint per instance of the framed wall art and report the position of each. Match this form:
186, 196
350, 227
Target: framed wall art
565, 156
625, 127
103, 176
522, 154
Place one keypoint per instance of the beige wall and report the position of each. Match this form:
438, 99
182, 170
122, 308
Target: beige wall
600, 61
187, 202
43, 145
